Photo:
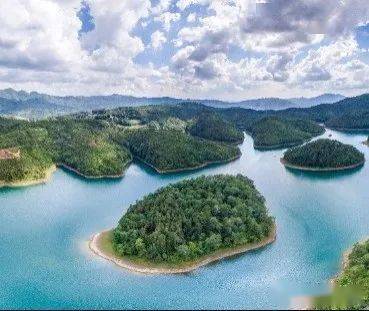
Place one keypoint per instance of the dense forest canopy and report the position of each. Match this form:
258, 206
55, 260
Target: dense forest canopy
324, 113
213, 127
104, 143
351, 121
171, 150
193, 218
33, 161
274, 132
94, 143
324, 153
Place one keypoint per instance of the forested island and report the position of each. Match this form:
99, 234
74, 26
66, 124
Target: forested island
274, 132
189, 224
323, 155
351, 286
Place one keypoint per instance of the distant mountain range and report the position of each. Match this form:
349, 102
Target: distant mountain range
36, 105
279, 103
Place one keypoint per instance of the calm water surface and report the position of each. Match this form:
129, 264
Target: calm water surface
45, 262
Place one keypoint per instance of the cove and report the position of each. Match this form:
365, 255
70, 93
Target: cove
45, 261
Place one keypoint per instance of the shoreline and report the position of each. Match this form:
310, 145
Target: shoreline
26, 183
317, 169
131, 266
353, 130
188, 169
49, 172
284, 146
280, 146
69, 168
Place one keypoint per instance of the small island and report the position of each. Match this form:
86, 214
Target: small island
186, 225
323, 155
351, 287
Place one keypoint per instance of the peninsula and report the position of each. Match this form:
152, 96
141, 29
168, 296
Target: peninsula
103, 147
276, 133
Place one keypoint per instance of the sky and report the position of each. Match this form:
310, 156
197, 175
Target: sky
216, 49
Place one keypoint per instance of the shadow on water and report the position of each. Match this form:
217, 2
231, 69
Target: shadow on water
324, 175
352, 132
104, 180
151, 171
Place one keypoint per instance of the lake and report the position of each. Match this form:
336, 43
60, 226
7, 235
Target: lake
45, 261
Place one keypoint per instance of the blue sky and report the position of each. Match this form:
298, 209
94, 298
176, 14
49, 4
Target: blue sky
222, 49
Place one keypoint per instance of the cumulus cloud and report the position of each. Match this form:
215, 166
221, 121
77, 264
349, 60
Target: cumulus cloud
167, 18
287, 23
191, 18
157, 40
225, 48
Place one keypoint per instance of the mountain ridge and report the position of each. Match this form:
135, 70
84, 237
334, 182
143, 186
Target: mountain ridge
39, 105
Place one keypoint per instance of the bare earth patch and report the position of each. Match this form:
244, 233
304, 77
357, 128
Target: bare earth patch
9, 153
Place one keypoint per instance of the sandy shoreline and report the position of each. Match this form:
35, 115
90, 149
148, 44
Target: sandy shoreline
315, 169
217, 256
48, 173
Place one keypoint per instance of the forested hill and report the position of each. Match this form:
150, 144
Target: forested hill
275, 132
104, 143
350, 112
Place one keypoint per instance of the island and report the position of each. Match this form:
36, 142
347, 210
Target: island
276, 133
186, 225
323, 155
351, 287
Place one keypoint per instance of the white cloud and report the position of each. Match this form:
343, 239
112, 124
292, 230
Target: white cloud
157, 40
191, 18
167, 18
183, 4
228, 49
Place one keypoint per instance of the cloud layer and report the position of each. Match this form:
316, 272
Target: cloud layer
228, 49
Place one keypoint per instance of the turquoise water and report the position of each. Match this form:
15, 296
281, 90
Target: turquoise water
45, 261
